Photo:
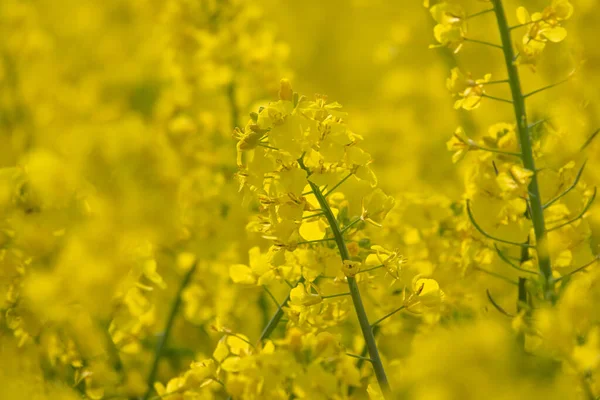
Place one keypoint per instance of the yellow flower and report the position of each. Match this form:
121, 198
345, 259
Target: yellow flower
460, 144
428, 291
351, 268
469, 90
542, 27
451, 27
303, 296
375, 206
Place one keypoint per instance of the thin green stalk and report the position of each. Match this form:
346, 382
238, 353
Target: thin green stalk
233, 109
359, 307
521, 302
338, 184
487, 96
497, 46
332, 296
386, 316
537, 211
167, 331
479, 13
276, 318
351, 224
571, 187
577, 269
496, 305
497, 151
362, 359
315, 241
589, 139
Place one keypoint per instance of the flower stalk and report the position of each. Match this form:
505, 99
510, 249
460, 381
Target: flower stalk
535, 201
276, 318
167, 331
359, 307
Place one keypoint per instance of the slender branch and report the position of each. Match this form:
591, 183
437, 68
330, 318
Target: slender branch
576, 270
316, 241
497, 46
521, 25
354, 291
496, 82
276, 318
521, 304
359, 357
580, 215
496, 305
589, 139
386, 316
491, 150
479, 13
233, 109
331, 296
313, 215
536, 123
271, 295
337, 185
537, 212
361, 361
484, 233
167, 331
239, 337
371, 269
351, 224
487, 96
505, 258
267, 146
548, 87
566, 191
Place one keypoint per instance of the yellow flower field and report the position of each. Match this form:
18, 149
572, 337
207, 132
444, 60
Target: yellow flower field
234, 199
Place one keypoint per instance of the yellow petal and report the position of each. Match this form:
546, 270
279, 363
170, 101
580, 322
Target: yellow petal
240, 273
523, 15
312, 230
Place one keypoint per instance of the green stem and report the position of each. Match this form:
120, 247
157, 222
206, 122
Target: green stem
537, 211
497, 46
362, 359
276, 318
233, 109
386, 316
331, 296
498, 151
167, 331
337, 185
351, 224
479, 13
521, 302
359, 307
